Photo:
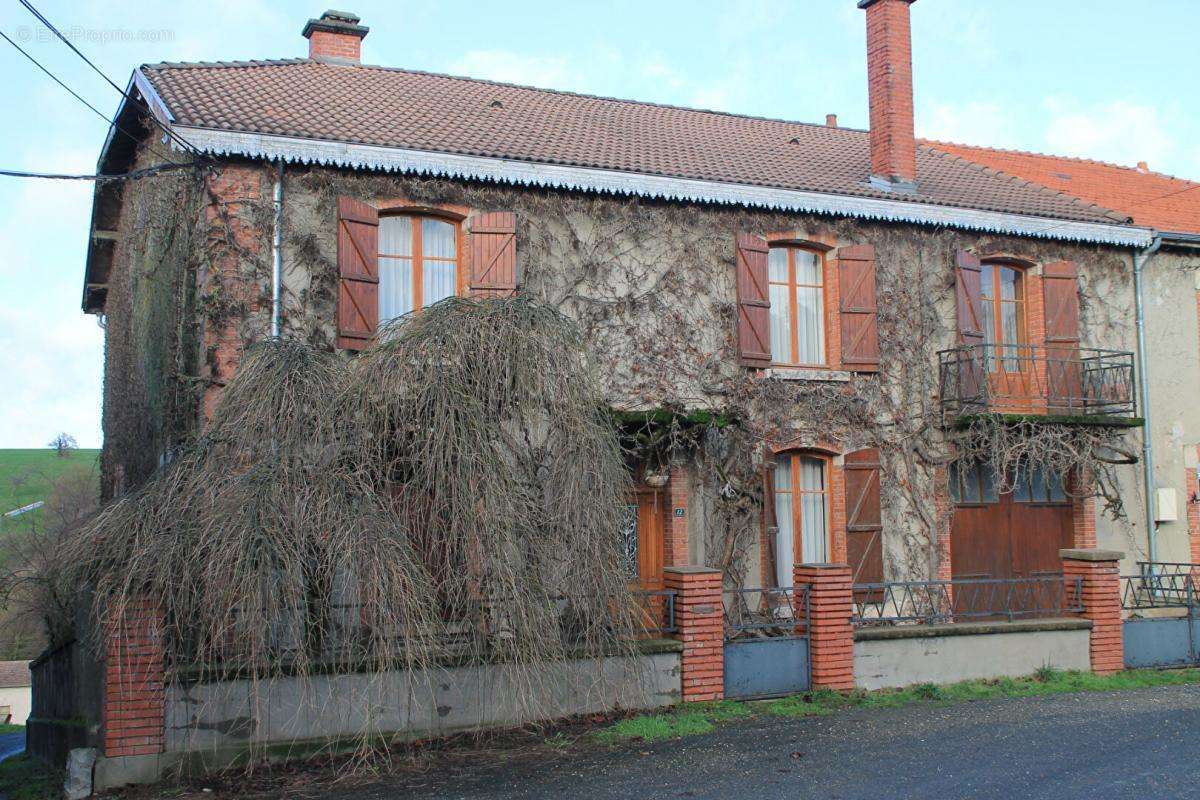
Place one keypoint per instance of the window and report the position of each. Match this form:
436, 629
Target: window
801, 503
797, 287
1038, 485
418, 263
972, 483
1002, 291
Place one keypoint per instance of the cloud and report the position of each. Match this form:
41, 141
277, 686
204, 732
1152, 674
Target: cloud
547, 72
51, 375
1121, 131
974, 122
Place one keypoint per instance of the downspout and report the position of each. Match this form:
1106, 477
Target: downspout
277, 253
1140, 257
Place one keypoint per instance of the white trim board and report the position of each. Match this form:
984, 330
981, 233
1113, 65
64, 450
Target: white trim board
451, 165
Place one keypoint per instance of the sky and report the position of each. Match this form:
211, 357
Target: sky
1105, 79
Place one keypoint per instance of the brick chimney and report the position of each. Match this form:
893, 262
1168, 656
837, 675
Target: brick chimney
335, 37
890, 85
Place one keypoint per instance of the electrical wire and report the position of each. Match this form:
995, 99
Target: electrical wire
174, 136
135, 175
76, 95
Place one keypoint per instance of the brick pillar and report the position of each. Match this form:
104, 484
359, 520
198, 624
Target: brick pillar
1083, 514
1101, 603
134, 692
675, 535
830, 635
700, 625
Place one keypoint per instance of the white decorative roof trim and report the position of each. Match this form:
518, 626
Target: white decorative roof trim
452, 165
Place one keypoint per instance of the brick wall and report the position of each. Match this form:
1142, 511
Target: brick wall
831, 636
134, 703
233, 191
1101, 604
1192, 492
699, 621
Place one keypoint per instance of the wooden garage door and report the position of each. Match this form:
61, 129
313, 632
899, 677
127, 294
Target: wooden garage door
1008, 535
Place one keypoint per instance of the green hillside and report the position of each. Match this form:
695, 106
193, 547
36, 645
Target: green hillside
27, 476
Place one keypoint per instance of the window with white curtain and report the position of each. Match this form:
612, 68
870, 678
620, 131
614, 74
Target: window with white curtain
418, 263
797, 287
801, 513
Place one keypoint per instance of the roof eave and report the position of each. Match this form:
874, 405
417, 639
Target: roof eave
454, 165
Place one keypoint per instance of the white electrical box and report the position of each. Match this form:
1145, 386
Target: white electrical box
1164, 506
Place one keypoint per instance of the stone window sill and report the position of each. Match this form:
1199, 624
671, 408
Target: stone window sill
801, 374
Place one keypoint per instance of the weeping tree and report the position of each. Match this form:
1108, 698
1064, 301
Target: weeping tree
451, 495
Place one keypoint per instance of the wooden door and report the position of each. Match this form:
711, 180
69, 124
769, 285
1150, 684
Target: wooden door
642, 549
1016, 534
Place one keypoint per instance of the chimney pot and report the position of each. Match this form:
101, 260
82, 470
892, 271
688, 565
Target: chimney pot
335, 37
890, 86
831, 120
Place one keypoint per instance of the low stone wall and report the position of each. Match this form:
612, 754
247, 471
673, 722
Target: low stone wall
906, 655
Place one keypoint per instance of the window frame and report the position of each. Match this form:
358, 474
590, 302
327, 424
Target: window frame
416, 215
795, 456
990, 296
791, 247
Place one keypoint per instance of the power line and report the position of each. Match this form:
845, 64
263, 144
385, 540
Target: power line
76, 95
174, 136
135, 175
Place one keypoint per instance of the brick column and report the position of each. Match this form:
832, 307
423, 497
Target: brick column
830, 635
134, 693
700, 625
1083, 514
1101, 603
675, 535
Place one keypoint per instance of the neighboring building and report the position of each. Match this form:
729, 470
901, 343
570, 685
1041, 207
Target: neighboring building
15, 692
1172, 318
845, 296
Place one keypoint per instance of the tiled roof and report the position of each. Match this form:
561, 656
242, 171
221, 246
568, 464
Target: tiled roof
421, 111
1151, 198
14, 674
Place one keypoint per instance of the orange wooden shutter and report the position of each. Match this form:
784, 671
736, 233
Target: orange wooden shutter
358, 273
967, 275
493, 254
859, 314
864, 522
754, 302
1064, 369
1060, 290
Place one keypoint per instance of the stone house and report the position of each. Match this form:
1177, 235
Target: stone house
817, 307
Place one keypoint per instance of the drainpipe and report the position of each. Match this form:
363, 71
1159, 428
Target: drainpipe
277, 253
1140, 257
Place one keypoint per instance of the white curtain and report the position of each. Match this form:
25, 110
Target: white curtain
438, 249
781, 325
395, 267
786, 537
810, 308
813, 549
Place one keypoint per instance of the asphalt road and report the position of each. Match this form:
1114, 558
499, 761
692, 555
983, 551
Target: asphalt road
1143, 743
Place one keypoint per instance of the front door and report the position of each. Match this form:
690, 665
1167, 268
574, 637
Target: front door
642, 550
1008, 358
1015, 534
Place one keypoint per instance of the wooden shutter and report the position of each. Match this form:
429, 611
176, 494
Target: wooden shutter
1064, 370
967, 275
358, 273
864, 522
859, 314
754, 301
492, 256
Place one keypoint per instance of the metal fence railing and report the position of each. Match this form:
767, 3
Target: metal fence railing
1161, 584
1058, 380
766, 612
965, 599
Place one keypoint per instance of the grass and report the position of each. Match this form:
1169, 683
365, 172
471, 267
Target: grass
25, 778
27, 476
698, 718
6, 728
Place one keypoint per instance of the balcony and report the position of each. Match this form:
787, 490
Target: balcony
1057, 381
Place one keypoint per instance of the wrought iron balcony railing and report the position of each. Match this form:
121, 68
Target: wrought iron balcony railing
1023, 379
